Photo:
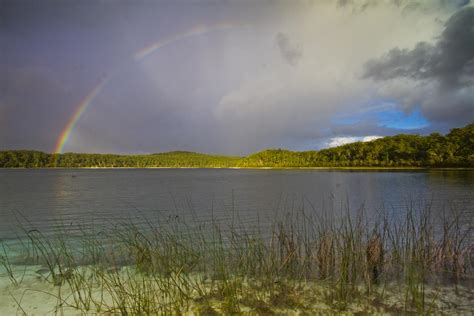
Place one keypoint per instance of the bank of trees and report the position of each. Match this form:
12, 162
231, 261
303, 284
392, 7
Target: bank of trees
35, 159
455, 149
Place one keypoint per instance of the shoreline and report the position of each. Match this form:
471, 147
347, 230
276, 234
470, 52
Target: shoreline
253, 168
290, 297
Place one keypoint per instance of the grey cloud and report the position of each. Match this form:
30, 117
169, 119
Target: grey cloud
289, 51
450, 60
361, 5
439, 77
402, 63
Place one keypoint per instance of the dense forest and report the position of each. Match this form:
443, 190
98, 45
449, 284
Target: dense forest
455, 149
178, 159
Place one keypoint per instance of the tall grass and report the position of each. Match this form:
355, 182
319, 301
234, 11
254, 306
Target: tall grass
304, 259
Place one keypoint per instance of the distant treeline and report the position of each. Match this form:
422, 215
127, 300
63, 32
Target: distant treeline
455, 149
37, 159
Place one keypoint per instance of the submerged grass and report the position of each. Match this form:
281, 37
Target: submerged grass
306, 262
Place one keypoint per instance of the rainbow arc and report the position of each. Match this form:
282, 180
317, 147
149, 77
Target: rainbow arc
138, 56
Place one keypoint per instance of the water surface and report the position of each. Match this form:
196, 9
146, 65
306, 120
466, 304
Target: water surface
45, 198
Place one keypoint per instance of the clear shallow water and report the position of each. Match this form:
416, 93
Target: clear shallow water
92, 198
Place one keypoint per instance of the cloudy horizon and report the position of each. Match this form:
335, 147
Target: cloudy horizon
231, 77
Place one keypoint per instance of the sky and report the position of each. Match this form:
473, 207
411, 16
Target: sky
230, 77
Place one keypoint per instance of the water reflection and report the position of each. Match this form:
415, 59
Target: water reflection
99, 197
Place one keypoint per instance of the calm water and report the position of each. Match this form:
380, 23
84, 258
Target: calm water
45, 198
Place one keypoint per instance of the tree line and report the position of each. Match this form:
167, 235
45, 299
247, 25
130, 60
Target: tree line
456, 149
37, 159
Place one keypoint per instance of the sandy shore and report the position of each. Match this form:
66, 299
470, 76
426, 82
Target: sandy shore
37, 295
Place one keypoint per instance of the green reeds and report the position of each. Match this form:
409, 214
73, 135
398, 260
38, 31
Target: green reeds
301, 261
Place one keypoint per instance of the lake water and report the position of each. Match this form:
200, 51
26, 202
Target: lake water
77, 253
46, 198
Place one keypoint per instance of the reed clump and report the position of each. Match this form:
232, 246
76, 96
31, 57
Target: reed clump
307, 262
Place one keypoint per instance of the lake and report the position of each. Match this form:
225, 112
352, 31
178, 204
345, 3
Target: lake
45, 198
86, 241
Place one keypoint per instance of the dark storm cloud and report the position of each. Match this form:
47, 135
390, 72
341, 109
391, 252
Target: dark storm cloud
437, 77
450, 60
289, 51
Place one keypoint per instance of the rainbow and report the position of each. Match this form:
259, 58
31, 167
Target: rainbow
138, 56
197, 30
81, 107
